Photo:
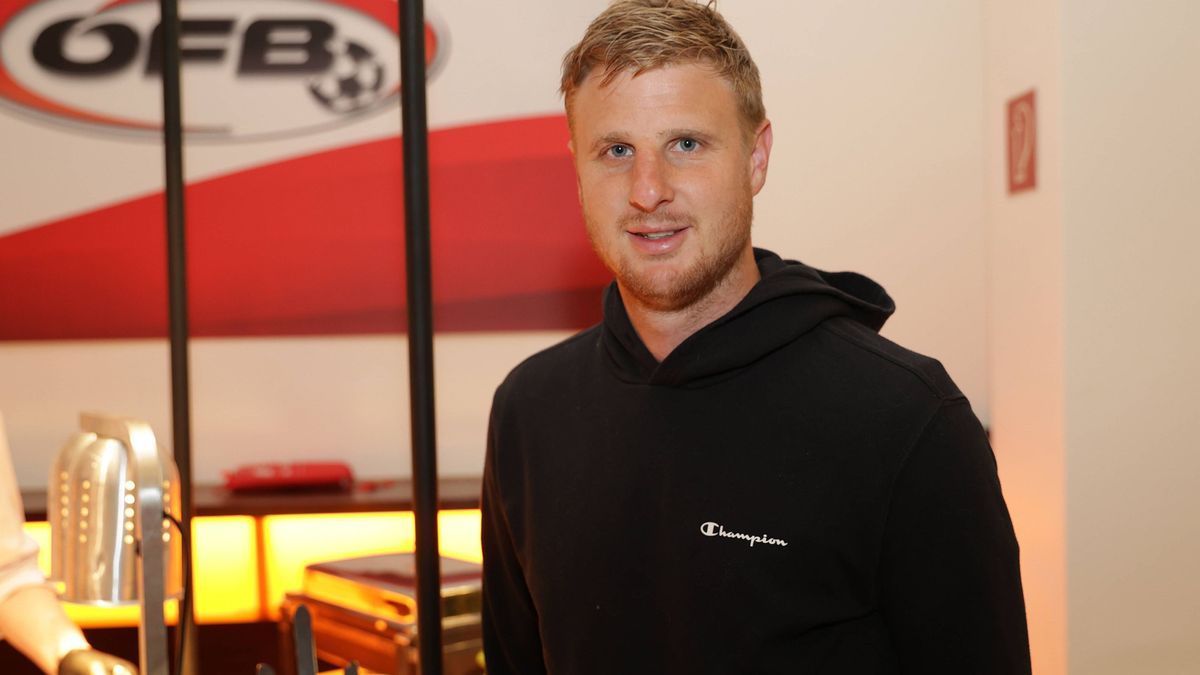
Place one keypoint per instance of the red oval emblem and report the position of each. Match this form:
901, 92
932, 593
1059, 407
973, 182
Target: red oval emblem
251, 69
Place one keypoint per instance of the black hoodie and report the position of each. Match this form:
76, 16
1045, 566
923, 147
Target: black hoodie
787, 492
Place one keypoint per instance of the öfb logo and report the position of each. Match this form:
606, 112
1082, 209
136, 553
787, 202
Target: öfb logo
252, 69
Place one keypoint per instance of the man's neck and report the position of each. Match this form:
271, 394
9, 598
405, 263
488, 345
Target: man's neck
664, 330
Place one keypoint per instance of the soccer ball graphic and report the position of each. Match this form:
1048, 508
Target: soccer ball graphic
354, 80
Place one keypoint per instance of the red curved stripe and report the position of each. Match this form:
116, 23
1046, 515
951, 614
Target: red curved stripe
314, 245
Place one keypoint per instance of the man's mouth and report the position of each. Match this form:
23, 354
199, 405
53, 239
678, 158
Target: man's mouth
656, 235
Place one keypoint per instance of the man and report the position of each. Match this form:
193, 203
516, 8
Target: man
733, 472
30, 616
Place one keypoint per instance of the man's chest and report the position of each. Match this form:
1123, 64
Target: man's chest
761, 508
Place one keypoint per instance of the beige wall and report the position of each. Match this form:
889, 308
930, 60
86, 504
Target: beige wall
1131, 217
276, 400
877, 110
1093, 304
1025, 314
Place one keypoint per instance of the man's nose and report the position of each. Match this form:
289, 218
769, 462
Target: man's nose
651, 185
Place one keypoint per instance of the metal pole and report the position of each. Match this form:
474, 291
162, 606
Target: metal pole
177, 304
420, 333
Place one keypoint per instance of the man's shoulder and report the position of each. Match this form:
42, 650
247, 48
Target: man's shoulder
882, 362
551, 368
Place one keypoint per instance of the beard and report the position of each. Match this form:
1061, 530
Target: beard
672, 289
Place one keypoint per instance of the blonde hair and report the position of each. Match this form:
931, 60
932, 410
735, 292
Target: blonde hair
640, 35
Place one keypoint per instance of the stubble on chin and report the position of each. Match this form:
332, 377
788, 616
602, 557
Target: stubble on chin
673, 289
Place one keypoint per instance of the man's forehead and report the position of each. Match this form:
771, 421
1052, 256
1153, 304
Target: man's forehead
664, 86
603, 76
690, 95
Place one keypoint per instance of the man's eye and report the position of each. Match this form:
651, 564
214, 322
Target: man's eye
688, 144
620, 150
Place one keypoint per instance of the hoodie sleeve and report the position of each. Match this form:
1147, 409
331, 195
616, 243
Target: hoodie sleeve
950, 578
511, 640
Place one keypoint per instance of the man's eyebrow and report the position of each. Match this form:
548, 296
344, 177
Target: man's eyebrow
707, 139
686, 133
611, 138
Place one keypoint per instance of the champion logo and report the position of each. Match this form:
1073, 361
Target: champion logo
711, 529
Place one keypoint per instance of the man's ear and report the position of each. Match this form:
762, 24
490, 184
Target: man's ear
578, 185
760, 156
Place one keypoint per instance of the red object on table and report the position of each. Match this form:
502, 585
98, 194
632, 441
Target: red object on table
292, 476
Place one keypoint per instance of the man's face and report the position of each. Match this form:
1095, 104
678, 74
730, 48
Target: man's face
667, 176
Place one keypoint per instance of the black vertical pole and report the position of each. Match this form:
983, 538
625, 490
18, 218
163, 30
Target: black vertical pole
420, 333
177, 304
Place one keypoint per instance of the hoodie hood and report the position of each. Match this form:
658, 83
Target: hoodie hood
789, 300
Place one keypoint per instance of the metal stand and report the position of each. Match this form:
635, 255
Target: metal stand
420, 333
177, 305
